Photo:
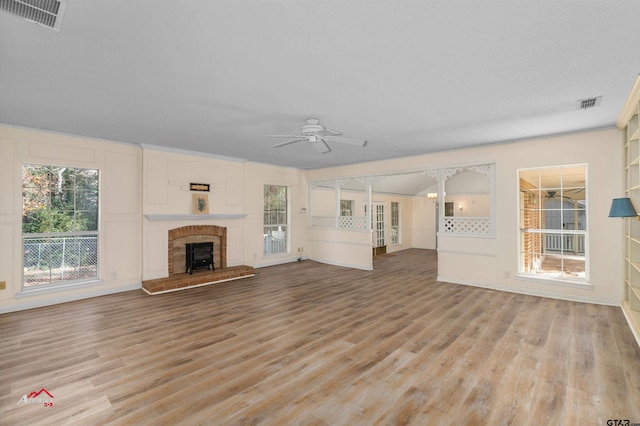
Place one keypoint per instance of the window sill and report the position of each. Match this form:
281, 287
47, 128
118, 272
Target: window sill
584, 284
56, 288
275, 255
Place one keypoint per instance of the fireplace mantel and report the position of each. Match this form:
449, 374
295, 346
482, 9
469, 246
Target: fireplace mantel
156, 217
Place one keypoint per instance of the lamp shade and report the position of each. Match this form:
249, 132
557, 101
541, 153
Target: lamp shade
622, 207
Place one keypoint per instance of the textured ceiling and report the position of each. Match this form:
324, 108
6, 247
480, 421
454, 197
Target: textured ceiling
410, 77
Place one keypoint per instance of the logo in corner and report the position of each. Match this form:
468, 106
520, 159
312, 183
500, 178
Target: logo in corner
42, 396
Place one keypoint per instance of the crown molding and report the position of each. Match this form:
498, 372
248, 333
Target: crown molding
145, 146
630, 106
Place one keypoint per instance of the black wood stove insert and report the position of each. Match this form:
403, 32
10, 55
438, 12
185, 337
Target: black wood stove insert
199, 256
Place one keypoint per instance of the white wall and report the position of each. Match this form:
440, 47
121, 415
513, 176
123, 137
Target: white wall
236, 188
424, 223
493, 262
166, 184
350, 247
602, 151
343, 248
135, 183
255, 177
473, 205
119, 166
325, 202
471, 191
126, 195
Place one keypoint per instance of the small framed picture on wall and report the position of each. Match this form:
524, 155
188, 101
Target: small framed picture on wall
200, 203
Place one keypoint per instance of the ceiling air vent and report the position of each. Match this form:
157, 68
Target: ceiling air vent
589, 103
47, 13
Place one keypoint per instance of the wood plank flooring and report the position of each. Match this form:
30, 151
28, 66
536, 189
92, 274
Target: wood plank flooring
306, 343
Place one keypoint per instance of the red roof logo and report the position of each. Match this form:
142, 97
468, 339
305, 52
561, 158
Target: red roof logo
35, 394
35, 397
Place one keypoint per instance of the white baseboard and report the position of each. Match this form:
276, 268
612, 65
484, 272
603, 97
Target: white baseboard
633, 325
570, 298
345, 265
291, 260
30, 304
277, 261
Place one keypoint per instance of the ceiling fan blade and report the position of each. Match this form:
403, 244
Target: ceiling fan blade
321, 146
278, 145
328, 132
348, 141
285, 136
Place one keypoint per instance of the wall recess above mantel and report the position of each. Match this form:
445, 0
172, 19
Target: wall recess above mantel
156, 217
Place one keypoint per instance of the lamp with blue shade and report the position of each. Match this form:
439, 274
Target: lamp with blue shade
622, 207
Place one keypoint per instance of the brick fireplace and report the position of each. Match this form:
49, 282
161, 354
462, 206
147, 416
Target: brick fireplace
196, 234
178, 279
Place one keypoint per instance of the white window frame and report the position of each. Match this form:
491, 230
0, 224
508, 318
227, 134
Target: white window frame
81, 240
395, 222
562, 233
378, 224
347, 207
272, 245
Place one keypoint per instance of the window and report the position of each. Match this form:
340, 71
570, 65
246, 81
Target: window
448, 209
59, 225
346, 207
553, 223
395, 223
275, 219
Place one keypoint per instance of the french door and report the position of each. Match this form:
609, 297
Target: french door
377, 224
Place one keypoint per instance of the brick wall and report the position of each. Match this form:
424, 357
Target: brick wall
531, 218
196, 234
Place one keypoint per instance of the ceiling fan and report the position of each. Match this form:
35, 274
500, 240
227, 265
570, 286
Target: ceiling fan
317, 136
554, 194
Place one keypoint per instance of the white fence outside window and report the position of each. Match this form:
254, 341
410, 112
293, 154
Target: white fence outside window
564, 243
54, 259
275, 242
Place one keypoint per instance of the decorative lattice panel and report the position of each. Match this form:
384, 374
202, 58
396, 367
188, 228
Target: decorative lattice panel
323, 221
342, 222
352, 222
470, 225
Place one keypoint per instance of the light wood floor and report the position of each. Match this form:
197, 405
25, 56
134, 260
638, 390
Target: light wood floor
307, 343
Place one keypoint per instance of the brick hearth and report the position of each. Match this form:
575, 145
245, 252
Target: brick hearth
199, 278
177, 279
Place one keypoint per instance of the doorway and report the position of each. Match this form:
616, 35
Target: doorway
378, 226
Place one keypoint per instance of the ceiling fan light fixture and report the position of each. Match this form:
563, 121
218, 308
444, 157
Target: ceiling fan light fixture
318, 136
310, 129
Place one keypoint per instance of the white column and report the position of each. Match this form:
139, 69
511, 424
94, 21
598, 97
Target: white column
492, 189
311, 186
336, 186
576, 237
368, 215
441, 200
